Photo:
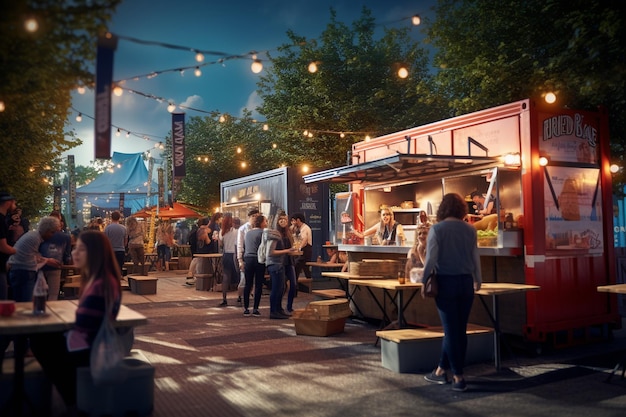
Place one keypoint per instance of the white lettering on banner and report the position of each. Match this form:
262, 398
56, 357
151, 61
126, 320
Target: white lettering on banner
619, 229
179, 143
565, 125
308, 206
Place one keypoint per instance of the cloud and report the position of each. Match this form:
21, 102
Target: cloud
252, 103
194, 101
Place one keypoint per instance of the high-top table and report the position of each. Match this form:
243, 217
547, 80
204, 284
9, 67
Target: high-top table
615, 289
495, 289
60, 316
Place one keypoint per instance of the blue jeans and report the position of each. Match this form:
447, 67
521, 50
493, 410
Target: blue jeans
454, 302
277, 275
255, 275
290, 275
22, 284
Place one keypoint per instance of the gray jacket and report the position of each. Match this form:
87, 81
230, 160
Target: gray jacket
274, 242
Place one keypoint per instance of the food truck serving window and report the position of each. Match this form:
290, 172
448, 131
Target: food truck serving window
402, 167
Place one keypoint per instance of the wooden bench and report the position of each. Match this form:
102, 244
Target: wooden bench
142, 285
330, 293
418, 349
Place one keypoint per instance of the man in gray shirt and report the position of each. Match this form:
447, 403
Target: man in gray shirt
117, 236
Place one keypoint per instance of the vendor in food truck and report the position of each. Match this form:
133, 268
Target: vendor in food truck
386, 232
481, 206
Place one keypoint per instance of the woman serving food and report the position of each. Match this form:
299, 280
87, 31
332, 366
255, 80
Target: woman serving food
386, 232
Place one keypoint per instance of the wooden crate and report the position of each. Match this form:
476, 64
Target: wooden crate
330, 309
309, 325
386, 268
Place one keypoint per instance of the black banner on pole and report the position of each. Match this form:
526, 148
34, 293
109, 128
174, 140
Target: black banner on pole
104, 81
56, 203
71, 179
178, 145
121, 205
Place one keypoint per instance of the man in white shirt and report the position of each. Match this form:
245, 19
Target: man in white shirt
305, 236
241, 238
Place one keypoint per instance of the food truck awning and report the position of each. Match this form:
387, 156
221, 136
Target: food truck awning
402, 167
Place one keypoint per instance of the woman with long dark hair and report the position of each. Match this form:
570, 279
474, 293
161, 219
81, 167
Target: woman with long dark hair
228, 237
452, 251
61, 354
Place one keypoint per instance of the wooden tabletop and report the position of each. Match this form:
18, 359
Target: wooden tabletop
388, 284
60, 316
348, 275
207, 255
615, 288
329, 265
496, 288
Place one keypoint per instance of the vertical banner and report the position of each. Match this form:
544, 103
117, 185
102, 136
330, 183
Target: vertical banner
161, 187
56, 203
178, 152
178, 145
71, 180
104, 81
121, 205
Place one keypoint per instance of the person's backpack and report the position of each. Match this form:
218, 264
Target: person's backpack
261, 252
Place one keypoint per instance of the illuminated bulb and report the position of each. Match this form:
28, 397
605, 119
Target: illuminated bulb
416, 20
305, 133
238, 149
31, 25
243, 165
197, 72
256, 66
222, 119
342, 135
81, 90
403, 73
614, 168
313, 67
171, 107
543, 161
118, 91
199, 57
550, 98
199, 159
305, 168
274, 146
79, 118
266, 126
118, 132
310, 134
2, 108
367, 138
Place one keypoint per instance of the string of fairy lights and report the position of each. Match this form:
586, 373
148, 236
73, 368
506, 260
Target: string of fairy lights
199, 56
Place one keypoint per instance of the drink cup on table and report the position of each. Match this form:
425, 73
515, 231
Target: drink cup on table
7, 308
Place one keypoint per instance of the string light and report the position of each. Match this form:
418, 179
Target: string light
257, 66
416, 20
118, 91
118, 133
199, 57
79, 118
197, 72
31, 25
171, 107
80, 90
403, 72
2, 107
312, 67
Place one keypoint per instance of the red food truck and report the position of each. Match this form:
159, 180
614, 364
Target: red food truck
547, 171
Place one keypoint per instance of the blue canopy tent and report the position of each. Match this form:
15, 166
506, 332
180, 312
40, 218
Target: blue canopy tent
129, 176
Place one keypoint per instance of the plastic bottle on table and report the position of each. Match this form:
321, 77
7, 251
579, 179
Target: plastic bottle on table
40, 294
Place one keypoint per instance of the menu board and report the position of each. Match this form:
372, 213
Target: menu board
573, 208
569, 137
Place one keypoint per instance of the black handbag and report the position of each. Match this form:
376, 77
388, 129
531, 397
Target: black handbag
430, 287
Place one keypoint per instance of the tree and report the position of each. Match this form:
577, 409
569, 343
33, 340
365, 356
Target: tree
37, 72
356, 90
491, 53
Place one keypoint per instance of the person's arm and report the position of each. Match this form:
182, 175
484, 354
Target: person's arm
240, 243
432, 254
6, 248
367, 232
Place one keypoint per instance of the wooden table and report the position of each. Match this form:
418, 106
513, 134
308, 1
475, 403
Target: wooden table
388, 285
343, 278
494, 289
615, 289
210, 264
60, 316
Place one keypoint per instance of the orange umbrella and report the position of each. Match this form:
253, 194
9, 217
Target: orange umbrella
176, 211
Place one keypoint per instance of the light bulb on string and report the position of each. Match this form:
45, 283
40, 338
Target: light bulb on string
197, 72
403, 72
222, 119
266, 126
80, 89
2, 107
257, 66
118, 132
416, 20
199, 57
31, 25
118, 91
312, 67
171, 107
79, 118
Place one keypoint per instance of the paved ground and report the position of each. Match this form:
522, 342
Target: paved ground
212, 361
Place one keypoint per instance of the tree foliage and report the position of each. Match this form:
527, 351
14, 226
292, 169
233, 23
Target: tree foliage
494, 52
37, 72
356, 90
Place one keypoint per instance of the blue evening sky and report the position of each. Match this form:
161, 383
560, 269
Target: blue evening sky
235, 27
